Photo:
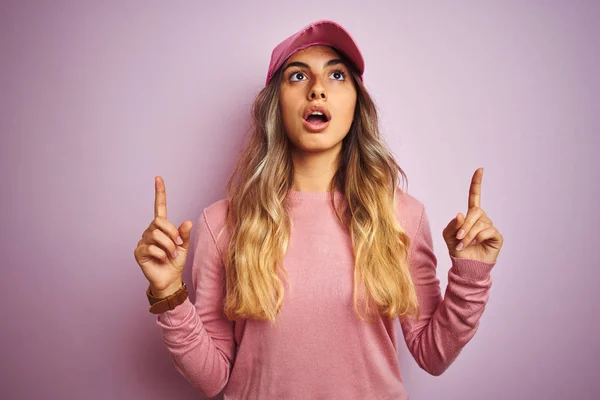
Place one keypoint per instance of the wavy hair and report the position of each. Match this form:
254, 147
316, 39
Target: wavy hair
259, 223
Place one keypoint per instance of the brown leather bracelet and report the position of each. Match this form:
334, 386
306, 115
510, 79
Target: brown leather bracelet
160, 305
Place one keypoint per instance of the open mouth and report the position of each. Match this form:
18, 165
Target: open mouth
316, 119
316, 122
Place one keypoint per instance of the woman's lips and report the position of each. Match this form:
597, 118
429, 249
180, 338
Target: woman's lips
315, 126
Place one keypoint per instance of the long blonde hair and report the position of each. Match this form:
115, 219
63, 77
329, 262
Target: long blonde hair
259, 223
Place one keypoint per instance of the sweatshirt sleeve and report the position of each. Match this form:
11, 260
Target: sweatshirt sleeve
198, 336
445, 325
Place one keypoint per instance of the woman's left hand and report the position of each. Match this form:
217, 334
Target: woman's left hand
479, 238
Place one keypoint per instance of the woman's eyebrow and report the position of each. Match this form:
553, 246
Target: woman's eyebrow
329, 63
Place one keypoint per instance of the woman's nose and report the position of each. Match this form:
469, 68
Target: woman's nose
317, 91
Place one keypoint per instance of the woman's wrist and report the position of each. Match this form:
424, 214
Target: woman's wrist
161, 294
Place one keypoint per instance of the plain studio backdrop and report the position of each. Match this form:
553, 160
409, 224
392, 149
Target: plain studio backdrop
97, 98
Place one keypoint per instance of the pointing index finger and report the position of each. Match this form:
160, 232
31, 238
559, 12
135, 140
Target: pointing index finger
475, 189
160, 198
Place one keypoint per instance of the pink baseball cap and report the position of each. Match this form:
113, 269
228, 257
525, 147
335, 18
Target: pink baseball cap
323, 32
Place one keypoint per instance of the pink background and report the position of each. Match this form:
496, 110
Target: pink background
98, 98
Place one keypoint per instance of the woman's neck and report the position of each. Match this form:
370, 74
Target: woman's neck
314, 172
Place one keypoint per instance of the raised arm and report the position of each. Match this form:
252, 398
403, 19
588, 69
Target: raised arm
445, 325
198, 336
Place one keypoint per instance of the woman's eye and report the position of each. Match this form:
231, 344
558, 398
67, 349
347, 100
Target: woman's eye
296, 74
338, 75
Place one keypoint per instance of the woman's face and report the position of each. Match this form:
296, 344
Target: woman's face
316, 77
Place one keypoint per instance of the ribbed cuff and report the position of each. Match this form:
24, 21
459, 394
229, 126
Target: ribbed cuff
471, 269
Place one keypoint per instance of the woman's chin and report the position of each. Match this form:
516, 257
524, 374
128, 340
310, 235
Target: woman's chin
316, 145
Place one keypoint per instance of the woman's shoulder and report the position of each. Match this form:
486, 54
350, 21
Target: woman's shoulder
212, 218
409, 210
215, 213
218, 208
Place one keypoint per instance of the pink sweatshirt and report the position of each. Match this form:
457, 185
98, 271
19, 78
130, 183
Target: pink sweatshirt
320, 348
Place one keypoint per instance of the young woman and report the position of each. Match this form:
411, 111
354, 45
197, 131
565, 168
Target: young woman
301, 271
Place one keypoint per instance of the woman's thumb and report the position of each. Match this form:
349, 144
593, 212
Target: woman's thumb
185, 231
449, 233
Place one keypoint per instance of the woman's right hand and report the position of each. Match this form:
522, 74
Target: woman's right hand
160, 253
